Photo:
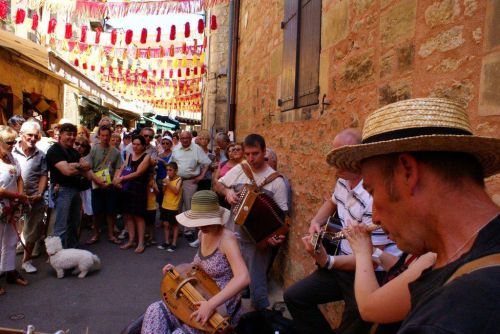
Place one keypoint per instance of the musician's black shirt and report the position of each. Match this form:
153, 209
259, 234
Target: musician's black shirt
469, 304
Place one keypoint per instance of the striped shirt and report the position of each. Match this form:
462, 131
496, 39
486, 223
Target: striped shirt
355, 205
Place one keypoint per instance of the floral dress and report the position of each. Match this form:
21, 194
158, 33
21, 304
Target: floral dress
159, 320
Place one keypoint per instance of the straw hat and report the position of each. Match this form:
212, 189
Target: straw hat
424, 124
205, 210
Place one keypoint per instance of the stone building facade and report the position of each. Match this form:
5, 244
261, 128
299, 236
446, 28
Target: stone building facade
216, 90
373, 52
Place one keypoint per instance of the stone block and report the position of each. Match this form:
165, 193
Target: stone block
459, 91
386, 64
489, 94
442, 12
492, 24
360, 6
398, 22
393, 92
405, 57
335, 24
445, 41
358, 70
470, 7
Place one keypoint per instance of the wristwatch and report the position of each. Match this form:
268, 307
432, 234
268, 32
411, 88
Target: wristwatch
376, 255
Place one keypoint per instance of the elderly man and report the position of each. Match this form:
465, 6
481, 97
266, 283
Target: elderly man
66, 173
105, 160
193, 164
334, 279
222, 141
425, 170
257, 259
34, 175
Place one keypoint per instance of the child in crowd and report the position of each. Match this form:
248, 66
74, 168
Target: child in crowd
151, 209
172, 195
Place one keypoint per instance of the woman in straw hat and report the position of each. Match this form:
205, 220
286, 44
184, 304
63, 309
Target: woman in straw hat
219, 256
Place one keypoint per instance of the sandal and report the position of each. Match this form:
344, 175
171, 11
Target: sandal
128, 245
92, 241
139, 249
14, 277
113, 240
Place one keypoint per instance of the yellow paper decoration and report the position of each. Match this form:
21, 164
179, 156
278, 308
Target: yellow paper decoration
175, 62
184, 61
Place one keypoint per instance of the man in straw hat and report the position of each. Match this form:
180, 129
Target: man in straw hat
425, 170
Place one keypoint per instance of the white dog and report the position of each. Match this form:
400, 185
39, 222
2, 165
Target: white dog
83, 261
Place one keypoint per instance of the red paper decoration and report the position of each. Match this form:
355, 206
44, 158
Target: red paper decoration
205, 42
83, 37
20, 15
201, 26
144, 35
187, 30
172, 32
170, 73
128, 36
4, 8
203, 69
188, 71
195, 45
158, 35
52, 26
34, 22
184, 48
98, 35
179, 73
114, 35
68, 32
77, 62
195, 70
213, 22
171, 52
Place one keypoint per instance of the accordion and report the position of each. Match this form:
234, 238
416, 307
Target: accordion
259, 215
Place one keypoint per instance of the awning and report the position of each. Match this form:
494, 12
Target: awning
161, 125
21, 46
116, 118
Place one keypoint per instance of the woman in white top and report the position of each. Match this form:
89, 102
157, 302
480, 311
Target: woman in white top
11, 196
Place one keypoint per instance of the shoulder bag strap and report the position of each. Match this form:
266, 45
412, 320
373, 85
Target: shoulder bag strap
270, 179
105, 161
487, 261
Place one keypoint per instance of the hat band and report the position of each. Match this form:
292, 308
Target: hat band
414, 132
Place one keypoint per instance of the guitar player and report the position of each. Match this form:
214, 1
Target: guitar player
334, 278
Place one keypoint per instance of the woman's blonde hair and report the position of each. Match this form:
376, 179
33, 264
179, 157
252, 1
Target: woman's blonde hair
7, 133
83, 129
204, 134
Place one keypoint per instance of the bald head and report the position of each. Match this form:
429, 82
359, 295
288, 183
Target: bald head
185, 138
345, 137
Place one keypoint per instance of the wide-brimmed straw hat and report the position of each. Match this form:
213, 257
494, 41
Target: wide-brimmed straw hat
423, 124
205, 210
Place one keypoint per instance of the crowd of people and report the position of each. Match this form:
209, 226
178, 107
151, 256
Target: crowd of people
419, 234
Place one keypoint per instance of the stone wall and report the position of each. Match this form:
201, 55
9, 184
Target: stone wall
373, 52
216, 92
24, 78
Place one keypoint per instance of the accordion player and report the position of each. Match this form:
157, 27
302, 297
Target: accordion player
257, 212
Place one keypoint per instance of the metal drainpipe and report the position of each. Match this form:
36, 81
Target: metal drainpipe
234, 18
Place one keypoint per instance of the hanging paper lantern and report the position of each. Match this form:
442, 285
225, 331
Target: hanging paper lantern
170, 73
203, 69
148, 53
195, 70
205, 42
98, 35
128, 36
84, 65
20, 15
187, 30
145, 74
201, 26
213, 22
188, 71
158, 35
194, 61
171, 52
114, 35
162, 52
195, 45
83, 37
184, 48
172, 32
144, 35
184, 61
162, 74
4, 8
68, 32
179, 73
34, 22
175, 63
202, 58
76, 62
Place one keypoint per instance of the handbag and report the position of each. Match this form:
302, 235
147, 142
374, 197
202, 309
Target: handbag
126, 171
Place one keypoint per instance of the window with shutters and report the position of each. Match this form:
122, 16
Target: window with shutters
301, 49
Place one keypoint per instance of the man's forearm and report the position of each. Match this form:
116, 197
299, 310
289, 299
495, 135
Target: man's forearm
220, 188
326, 210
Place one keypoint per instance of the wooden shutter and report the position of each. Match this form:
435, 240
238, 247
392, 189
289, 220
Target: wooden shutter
309, 45
289, 71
